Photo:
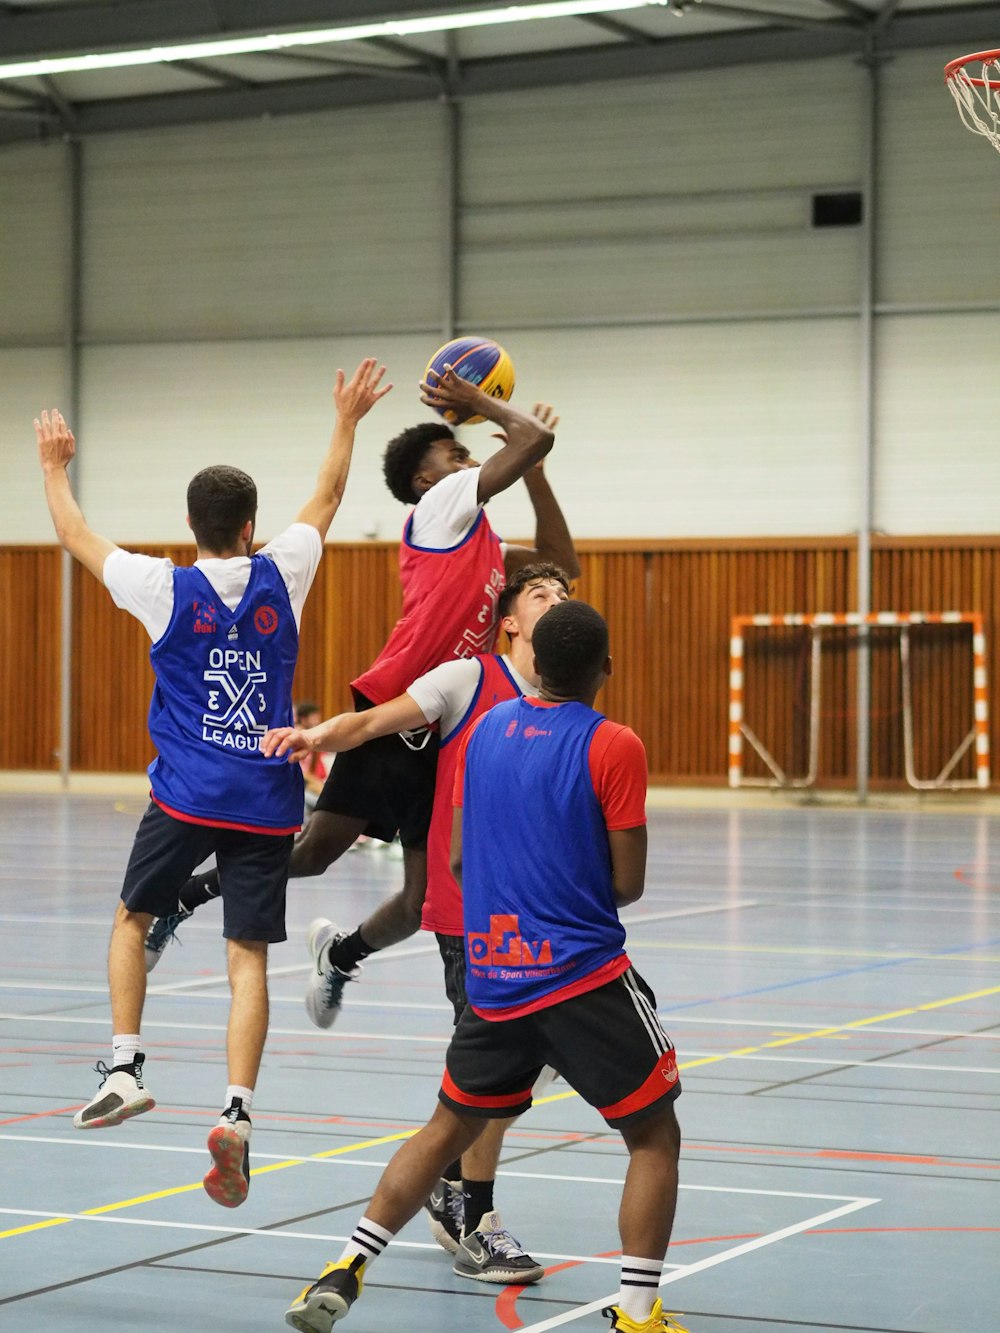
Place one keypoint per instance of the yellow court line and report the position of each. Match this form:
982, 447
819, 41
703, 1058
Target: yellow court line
186, 1189
541, 1101
797, 951
837, 1031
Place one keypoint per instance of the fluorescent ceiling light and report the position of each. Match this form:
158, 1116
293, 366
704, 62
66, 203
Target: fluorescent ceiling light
239, 46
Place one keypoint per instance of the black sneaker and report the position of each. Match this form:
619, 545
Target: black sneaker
228, 1181
121, 1096
445, 1207
491, 1254
318, 1307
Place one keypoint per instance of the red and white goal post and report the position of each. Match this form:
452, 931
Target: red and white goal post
978, 734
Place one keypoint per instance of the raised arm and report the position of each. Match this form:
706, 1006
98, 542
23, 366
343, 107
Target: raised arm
552, 536
346, 731
525, 439
56, 448
352, 400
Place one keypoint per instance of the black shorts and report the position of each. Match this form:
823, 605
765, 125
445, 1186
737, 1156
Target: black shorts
388, 781
253, 872
606, 1043
452, 950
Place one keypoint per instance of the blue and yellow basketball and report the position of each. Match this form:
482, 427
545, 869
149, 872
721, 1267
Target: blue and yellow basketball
482, 362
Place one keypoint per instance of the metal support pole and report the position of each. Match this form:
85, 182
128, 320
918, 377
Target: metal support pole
869, 256
452, 190
71, 399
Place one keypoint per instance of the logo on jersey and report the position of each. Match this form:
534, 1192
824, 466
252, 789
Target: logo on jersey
265, 620
234, 716
204, 617
504, 946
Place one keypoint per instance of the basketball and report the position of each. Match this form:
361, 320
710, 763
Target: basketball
482, 362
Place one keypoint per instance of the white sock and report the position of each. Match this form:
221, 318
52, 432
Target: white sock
244, 1094
124, 1049
640, 1280
369, 1240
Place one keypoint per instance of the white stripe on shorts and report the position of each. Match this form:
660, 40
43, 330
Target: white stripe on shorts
647, 1013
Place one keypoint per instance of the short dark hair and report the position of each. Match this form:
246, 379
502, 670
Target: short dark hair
220, 501
541, 570
404, 455
571, 646
304, 709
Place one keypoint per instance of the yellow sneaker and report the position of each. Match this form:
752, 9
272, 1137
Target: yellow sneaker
318, 1307
659, 1321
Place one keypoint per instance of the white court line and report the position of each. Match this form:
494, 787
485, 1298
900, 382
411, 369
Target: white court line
280, 1235
711, 1262
380, 956
833, 1061
118, 1144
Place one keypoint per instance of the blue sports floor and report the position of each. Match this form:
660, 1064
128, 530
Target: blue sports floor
830, 977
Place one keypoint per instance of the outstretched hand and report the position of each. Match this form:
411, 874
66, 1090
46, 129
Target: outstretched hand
355, 397
294, 742
56, 444
451, 392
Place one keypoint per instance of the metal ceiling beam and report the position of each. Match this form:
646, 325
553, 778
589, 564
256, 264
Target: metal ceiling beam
368, 68
56, 29
208, 72
957, 29
619, 29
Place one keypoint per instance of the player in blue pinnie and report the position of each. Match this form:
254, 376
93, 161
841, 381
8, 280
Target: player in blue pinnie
549, 840
225, 638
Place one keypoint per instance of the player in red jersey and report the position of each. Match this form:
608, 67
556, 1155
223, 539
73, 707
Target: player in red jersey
452, 696
549, 842
453, 568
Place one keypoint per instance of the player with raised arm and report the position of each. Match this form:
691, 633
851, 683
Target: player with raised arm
452, 696
224, 636
549, 841
452, 568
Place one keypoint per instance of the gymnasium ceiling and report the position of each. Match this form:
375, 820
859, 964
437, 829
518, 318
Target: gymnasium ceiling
645, 39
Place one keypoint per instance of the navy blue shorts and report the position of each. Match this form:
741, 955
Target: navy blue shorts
253, 872
606, 1043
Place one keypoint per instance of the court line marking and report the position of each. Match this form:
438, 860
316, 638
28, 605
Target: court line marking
272, 1234
119, 1144
561, 1096
712, 1261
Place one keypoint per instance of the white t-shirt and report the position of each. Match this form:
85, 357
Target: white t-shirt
446, 512
444, 694
144, 584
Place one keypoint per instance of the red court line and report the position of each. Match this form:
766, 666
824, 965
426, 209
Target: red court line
842, 1154
40, 1115
507, 1299
971, 880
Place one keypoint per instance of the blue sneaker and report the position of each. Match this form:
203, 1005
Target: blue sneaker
161, 932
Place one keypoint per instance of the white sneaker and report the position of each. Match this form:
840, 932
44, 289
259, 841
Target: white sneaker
325, 991
121, 1096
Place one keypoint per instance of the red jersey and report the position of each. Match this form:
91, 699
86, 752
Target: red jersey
449, 609
442, 911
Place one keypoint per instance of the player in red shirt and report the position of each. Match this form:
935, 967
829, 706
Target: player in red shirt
557, 953
453, 696
453, 568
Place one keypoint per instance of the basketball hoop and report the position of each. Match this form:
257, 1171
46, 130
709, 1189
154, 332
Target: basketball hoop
974, 83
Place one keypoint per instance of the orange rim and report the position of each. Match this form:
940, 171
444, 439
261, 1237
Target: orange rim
956, 67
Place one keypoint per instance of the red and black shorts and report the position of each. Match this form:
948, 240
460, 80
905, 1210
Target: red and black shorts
606, 1043
389, 782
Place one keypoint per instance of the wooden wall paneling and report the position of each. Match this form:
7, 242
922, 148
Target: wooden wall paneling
30, 645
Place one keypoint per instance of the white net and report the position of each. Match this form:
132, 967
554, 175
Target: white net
974, 83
